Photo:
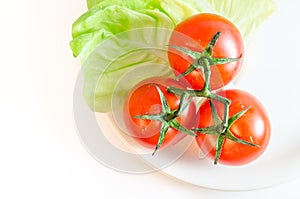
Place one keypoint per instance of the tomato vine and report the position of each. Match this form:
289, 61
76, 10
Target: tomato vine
221, 128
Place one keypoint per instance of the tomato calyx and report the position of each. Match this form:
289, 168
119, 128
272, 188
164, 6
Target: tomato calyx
203, 59
168, 117
221, 128
222, 132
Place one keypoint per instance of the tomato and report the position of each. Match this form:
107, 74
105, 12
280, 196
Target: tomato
144, 99
195, 33
253, 127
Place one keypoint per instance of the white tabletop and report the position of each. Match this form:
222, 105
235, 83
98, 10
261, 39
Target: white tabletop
41, 155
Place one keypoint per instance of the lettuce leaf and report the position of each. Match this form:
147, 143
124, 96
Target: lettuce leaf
109, 17
247, 15
123, 52
113, 39
98, 24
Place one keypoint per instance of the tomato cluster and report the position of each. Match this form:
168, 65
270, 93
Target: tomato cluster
231, 126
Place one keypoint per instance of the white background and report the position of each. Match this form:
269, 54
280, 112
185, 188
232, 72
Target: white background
40, 153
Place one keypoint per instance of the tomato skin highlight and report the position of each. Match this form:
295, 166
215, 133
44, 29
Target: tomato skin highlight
254, 126
201, 28
144, 99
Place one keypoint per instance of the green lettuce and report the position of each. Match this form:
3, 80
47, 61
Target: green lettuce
123, 55
119, 40
247, 15
109, 17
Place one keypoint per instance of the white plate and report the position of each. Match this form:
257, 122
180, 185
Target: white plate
272, 75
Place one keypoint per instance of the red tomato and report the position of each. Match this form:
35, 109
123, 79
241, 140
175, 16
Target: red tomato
253, 126
195, 34
144, 100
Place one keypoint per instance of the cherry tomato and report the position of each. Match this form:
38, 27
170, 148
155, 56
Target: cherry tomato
144, 99
195, 33
253, 127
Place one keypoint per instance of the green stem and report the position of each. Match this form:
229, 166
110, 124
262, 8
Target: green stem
205, 92
226, 102
205, 62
